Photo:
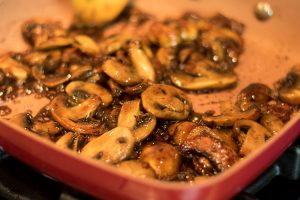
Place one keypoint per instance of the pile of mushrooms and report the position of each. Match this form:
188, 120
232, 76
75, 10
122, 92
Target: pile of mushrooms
118, 99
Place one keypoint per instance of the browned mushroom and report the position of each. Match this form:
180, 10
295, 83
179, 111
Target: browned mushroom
213, 39
289, 91
255, 137
201, 76
136, 168
45, 128
180, 131
90, 88
51, 80
140, 61
272, 123
169, 102
163, 158
131, 117
14, 68
164, 35
86, 44
69, 117
121, 73
257, 94
111, 147
229, 117
218, 151
38, 31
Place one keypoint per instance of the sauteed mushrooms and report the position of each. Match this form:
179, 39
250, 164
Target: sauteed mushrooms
117, 97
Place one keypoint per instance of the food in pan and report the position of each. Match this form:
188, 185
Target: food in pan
122, 99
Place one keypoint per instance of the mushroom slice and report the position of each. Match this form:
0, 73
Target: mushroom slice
23, 120
164, 35
213, 39
128, 114
72, 141
166, 102
69, 117
188, 30
121, 73
228, 118
48, 127
38, 30
203, 75
86, 44
131, 117
255, 137
218, 151
137, 89
64, 141
140, 61
136, 168
272, 123
203, 166
111, 147
54, 43
13, 68
254, 94
82, 110
180, 131
113, 43
90, 88
166, 56
163, 158
50, 80
289, 91
81, 72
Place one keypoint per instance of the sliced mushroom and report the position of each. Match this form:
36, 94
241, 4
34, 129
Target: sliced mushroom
90, 88
228, 118
136, 168
121, 73
289, 90
188, 30
64, 141
163, 35
278, 108
203, 166
203, 76
213, 39
180, 131
166, 56
128, 114
54, 43
218, 151
111, 147
113, 43
51, 80
257, 94
131, 117
255, 137
69, 117
23, 120
86, 44
272, 123
14, 68
72, 141
37, 31
163, 158
140, 61
169, 102
79, 72
48, 127
137, 89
